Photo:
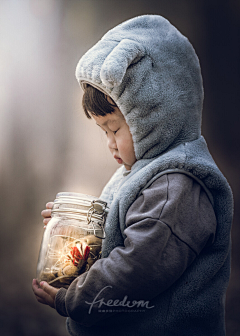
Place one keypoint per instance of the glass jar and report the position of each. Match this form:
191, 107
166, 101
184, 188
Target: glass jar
72, 239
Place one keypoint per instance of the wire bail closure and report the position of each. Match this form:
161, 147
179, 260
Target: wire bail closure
98, 207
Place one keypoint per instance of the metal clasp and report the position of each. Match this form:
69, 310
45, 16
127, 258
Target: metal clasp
98, 207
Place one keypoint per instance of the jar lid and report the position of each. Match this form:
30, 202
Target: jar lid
80, 206
76, 196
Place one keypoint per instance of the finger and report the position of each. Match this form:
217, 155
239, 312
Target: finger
46, 220
38, 291
41, 295
46, 213
49, 205
45, 299
35, 283
50, 290
40, 299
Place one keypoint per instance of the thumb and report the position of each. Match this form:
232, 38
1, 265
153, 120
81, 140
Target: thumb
48, 289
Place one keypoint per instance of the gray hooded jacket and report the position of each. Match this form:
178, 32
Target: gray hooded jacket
152, 73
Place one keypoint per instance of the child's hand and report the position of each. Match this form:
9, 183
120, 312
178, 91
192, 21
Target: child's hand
47, 213
44, 292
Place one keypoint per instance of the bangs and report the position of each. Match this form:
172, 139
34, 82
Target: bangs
96, 103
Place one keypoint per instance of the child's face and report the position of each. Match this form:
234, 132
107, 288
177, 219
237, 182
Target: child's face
119, 137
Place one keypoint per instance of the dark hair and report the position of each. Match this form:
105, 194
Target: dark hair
95, 102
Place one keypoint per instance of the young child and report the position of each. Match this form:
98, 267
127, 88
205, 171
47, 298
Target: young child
166, 258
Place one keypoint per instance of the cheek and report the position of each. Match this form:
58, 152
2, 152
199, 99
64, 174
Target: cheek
130, 145
124, 142
125, 147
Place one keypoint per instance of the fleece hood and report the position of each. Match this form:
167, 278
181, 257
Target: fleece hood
152, 73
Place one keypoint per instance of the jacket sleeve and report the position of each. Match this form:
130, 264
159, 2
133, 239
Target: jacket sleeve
166, 228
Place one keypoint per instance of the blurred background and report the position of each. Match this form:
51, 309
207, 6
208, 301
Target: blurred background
47, 145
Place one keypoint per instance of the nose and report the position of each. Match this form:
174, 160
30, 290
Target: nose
111, 142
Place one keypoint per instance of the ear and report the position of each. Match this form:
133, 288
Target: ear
117, 62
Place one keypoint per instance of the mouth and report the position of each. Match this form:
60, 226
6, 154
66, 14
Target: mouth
118, 159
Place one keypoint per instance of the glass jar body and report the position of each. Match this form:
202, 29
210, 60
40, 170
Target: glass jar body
69, 247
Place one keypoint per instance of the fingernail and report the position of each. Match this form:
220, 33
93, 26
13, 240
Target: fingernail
42, 283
